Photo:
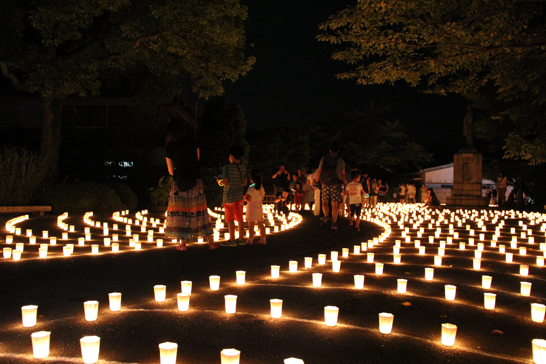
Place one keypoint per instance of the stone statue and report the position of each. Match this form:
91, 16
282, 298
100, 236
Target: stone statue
468, 127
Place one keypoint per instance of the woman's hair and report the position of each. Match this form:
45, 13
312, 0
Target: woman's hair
256, 177
298, 184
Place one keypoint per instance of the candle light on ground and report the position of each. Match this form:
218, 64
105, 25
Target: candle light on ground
330, 315
167, 353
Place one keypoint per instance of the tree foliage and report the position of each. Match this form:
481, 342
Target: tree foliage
58, 48
459, 46
372, 139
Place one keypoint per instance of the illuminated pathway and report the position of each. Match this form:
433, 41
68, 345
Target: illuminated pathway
459, 246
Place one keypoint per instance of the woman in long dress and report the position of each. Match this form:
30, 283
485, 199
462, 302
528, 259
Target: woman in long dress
187, 213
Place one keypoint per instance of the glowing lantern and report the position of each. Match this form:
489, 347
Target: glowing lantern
537, 312
524, 270
160, 292
397, 258
53, 240
115, 247
476, 263
356, 249
317, 279
40, 344
16, 254
29, 314
293, 361
276, 308
308, 263
401, 285
42, 252
90, 346
345, 252
293, 266
322, 259
45, 234
183, 300
502, 249
230, 303
509, 257
540, 261
385, 322
7, 253
379, 269
450, 292
185, 287
214, 282
477, 254
359, 281
525, 289
230, 356
167, 353
32, 240
539, 351
486, 282
429, 274
489, 301
369, 257
114, 300
66, 251
274, 271
438, 261
107, 241
91, 310
330, 315
240, 277
333, 256
449, 333
462, 246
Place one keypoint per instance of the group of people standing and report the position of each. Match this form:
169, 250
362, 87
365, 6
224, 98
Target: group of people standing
187, 212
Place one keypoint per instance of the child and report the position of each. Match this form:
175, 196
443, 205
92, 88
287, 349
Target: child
233, 180
254, 210
298, 196
355, 192
293, 187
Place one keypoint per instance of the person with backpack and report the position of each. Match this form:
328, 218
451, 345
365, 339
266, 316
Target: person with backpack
331, 175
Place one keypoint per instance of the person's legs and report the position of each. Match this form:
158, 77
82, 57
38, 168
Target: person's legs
229, 213
250, 232
335, 211
240, 221
261, 225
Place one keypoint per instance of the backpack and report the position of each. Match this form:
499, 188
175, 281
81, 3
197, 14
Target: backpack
328, 173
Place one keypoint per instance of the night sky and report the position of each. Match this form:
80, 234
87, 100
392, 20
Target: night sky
293, 82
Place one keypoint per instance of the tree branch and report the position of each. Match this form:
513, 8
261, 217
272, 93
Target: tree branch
14, 80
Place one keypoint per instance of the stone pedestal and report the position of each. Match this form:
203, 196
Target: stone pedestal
467, 180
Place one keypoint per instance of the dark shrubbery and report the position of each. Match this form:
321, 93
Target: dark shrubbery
81, 197
126, 194
21, 173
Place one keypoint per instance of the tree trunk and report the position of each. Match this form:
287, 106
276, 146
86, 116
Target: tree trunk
50, 135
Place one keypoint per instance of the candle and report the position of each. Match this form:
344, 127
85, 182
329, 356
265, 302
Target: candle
401, 285
449, 332
276, 308
40, 344
317, 279
359, 281
330, 315
274, 271
450, 292
385, 322
230, 303
183, 300
160, 292
90, 346
167, 353
91, 310
114, 299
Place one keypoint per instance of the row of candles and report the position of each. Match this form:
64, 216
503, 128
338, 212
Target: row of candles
449, 290
8, 252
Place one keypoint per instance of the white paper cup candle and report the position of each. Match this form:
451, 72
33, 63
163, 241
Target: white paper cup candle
185, 287
525, 289
114, 299
40, 344
317, 279
438, 261
537, 312
230, 356
539, 351
160, 292
401, 285
29, 314
322, 259
91, 310
379, 269
167, 353
334, 255
293, 361
449, 333
90, 346
214, 282
345, 252
274, 271
369, 257
356, 249
450, 292
276, 307
486, 282
308, 262
330, 315
359, 281
183, 301
336, 266
476, 264
489, 301
385, 322
429, 274
240, 277
524, 270
7, 253
230, 303
293, 266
